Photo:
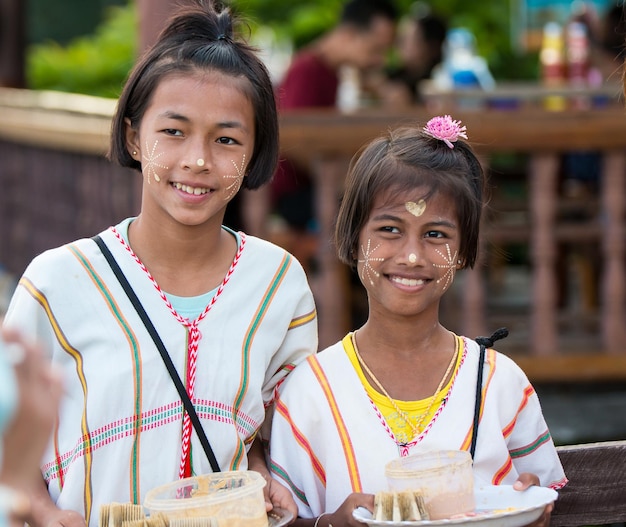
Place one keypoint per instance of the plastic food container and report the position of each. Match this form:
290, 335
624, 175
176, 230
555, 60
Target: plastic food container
443, 477
233, 498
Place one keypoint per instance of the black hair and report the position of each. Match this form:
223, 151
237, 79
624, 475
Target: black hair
434, 31
614, 31
360, 13
404, 159
200, 37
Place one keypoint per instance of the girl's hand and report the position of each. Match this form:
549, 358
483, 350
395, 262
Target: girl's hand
525, 481
343, 515
276, 494
45, 513
279, 496
62, 518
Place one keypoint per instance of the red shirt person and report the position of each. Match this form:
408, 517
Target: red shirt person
361, 39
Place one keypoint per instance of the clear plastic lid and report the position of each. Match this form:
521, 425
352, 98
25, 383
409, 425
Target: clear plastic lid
204, 490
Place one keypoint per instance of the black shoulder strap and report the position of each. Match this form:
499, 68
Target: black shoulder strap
164, 354
484, 343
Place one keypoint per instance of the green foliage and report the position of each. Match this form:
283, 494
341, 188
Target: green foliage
64, 20
95, 65
489, 20
98, 64
301, 22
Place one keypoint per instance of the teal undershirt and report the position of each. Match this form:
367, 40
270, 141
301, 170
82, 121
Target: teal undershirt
190, 307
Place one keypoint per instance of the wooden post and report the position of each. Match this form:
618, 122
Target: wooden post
613, 252
152, 17
330, 286
543, 185
12, 19
474, 322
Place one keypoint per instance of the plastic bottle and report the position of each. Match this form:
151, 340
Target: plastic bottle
577, 53
462, 69
552, 59
349, 90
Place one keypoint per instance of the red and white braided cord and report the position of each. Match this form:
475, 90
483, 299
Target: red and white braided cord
194, 338
405, 447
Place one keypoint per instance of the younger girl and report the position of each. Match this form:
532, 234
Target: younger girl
235, 314
402, 383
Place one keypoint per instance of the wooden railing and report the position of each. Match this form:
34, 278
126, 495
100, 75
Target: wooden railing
597, 485
57, 185
54, 175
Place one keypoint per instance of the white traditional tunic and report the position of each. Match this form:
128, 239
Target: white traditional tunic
119, 431
328, 439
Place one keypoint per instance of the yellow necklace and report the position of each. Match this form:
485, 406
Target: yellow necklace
415, 428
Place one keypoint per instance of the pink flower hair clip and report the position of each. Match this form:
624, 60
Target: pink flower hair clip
445, 129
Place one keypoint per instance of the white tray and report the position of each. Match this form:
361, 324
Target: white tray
496, 506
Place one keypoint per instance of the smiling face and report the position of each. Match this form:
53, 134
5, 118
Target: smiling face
406, 261
194, 143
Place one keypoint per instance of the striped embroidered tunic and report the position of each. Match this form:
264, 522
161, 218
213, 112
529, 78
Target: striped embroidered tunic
328, 440
120, 427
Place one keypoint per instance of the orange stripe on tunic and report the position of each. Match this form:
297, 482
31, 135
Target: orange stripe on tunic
507, 431
134, 349
303, 319
528, 391
346, 444
38, 295
504, 470
253, 327
318, 468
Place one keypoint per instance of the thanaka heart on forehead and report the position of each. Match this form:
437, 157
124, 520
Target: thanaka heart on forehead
417, 209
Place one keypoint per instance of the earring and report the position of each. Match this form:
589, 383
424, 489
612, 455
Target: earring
134, 152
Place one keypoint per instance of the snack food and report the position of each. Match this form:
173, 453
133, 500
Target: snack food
116, 514
400, 506
444, 478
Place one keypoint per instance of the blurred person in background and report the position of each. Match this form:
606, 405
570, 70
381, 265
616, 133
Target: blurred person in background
419, 48
30, 392
360, 41
606, 41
